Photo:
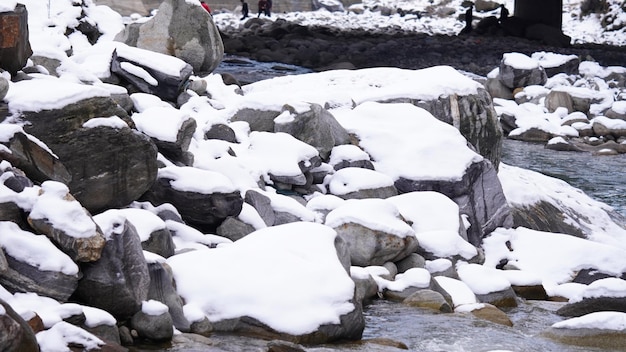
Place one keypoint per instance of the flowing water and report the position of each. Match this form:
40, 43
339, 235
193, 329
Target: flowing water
600, 177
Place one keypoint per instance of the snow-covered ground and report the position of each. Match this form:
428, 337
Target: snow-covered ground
582, 29
310, 256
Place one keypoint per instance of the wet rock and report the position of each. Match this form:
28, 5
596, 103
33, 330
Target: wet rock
428, 299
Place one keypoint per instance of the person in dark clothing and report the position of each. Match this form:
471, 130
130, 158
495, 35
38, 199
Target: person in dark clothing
262, 5
504, 13
469, 16
244, 9
268, 8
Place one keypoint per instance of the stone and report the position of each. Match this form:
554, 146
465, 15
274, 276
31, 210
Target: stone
430, 299
518, 77
359, 183
259, 120
15, 333
119, 281
156, 328
18, 274
533, 134
262, 204
234, 229
162, 289
205, 209
492, 314
557, 99
497, 89
505, 298
181, 29
14, 45
108, 167
166, 84
81, 239
478, 194
4, 87
314, 126
39, 163
548, 35
222, 132
370, 245
593, 304
413, 260
605, 340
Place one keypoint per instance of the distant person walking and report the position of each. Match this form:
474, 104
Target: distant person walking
469, 16
205, 6
262, 7
268, 8
244, 9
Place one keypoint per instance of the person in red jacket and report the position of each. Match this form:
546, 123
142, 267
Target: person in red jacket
205, 6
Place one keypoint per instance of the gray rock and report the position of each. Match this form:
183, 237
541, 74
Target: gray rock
556, 99
426, 298
370, 246
156, 328
15, 49
366, 289
497, 89
168, 86
15, 333
259, 120
180, 29
36, 161
119, 281
413, 260
206, 211
479, 195
533, 134
222, 132
162, 289
80, 249
99, 159
178, 151
234, 229
514, 77
263, 205
316, 127
502, 299
4, 87
605, 340
593, 304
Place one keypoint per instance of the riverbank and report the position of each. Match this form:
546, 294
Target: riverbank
321, 48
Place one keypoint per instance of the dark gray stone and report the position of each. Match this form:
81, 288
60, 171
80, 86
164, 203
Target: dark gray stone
14, 45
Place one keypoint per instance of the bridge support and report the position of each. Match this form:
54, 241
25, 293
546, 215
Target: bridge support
548, 12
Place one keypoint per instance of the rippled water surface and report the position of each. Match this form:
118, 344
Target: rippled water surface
601, 177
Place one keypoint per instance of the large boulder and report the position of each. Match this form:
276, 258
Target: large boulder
31, 263
182, 29
14, 45
119, 281
261, 283
203, 198
518, 70
149, 72
313, 125
110, 164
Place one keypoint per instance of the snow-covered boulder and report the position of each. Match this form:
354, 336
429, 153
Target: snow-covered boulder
91, 136
312, 124
602, 295
433, 157
203, 198
182, 29
603, 330
288, 283
31, 263
518, 70
374, 230
59, 216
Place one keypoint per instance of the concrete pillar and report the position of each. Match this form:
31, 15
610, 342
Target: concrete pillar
549, 12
